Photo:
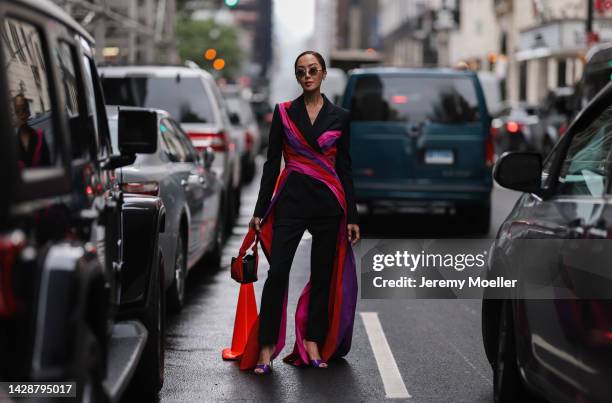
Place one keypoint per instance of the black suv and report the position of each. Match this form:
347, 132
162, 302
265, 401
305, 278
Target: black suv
80, 286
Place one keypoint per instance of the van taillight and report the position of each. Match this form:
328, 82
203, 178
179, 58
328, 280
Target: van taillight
150, 188
513, 127
217, 140
10, 247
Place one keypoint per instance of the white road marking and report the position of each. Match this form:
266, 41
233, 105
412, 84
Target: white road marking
387, 367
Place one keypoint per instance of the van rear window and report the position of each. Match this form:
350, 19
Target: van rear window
184, 98
414, 99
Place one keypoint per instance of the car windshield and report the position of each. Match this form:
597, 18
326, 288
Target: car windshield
414, 99
184, 98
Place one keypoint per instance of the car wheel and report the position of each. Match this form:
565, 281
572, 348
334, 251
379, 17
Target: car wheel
149, 377
248, 170
490, 326
214, 256
238, 196
229, 211
176, 297
508, 387
94, 345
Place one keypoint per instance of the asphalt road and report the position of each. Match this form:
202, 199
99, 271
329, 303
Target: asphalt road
436, 344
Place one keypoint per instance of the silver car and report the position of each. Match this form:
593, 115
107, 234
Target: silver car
192, 97
191, 193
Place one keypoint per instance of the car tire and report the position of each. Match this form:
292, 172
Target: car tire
238, 197
248, 169
213, 257
490, 327
149, 376
176, 293
94, 345
508, 385
229, 211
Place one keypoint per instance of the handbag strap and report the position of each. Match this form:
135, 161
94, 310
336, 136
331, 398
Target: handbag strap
251, 237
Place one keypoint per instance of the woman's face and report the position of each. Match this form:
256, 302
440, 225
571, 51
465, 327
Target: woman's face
309, 73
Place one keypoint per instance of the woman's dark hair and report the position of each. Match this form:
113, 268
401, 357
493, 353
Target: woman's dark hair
315, 54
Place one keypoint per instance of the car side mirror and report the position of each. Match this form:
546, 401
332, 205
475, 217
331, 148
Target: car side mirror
208, 156
234, 118
137, 131
520, 171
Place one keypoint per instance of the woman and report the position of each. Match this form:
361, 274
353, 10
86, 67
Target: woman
315, 193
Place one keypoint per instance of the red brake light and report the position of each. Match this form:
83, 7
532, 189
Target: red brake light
10, 247
513, 127
399, 99
249, 140
562, 129
150, 188
218, 141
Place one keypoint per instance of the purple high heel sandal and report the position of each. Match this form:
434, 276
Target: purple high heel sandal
317, 364
266, 368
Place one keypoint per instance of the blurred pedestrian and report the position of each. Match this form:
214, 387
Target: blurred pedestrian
32, 147
314, 192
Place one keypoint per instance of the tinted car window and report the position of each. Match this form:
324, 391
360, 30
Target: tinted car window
192, 154
185, 98
414, 99
65, 59
587, 164
30, 96
171, 142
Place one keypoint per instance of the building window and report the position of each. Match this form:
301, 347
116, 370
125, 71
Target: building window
561, 73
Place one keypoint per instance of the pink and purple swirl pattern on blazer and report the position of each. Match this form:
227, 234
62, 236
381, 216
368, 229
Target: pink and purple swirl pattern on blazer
301, 157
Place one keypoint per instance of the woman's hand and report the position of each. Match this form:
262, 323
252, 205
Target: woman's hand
255, 223
353, 233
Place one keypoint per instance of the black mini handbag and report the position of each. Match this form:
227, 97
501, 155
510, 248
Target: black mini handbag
243, 266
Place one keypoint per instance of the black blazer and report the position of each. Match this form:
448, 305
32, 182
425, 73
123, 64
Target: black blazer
304, 196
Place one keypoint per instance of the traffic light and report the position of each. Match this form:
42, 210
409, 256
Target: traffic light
231, 3
210, 54
219, 64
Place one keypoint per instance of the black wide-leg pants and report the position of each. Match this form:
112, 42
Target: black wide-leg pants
286, 237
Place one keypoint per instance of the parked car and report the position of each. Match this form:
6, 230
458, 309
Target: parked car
191, 193
243, 119
263, 113
420, 142
558, 349
192, 97
517, 127
80, 266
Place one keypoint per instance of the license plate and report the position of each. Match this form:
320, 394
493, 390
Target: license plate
441, 157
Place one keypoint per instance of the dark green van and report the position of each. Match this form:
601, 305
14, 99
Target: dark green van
420, 142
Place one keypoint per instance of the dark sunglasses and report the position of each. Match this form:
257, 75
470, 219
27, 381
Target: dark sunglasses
312, 71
